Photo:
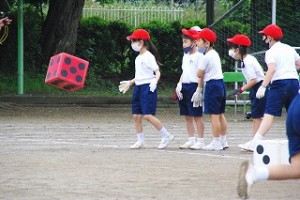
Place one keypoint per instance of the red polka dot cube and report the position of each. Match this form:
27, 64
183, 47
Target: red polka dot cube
66, 72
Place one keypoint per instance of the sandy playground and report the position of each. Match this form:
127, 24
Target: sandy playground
82, 153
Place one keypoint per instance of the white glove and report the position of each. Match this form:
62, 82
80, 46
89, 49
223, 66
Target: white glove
153, 85
197, 98
124, 86
260, 92
178, 91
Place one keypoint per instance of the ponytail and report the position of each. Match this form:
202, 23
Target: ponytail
151, 47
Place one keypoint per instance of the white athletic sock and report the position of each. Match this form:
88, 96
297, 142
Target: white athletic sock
258, 136
192, 139
261, 174
164, 133
216, 139
200, 140
223, 138
140, 137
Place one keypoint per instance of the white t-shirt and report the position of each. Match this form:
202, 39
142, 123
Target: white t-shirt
190, 63
145, 65
284, 58
252, 69
211, 65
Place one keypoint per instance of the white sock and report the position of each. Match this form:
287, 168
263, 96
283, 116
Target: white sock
164, 133
140, 137
216, 139
258, 136
261, 174
200, 140
191, 139
223, 138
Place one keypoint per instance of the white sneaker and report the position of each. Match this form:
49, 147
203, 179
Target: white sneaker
252, 145
165, 142
246, 146
137, 145
187, 145
225, 144
213, 146
198, 145
246, 179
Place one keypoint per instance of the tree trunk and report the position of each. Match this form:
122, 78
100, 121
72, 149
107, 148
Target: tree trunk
60, 27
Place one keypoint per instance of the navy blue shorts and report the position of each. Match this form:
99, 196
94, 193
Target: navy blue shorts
185, 105
281, 93
214, 97
293, 126
257, 105
143, 100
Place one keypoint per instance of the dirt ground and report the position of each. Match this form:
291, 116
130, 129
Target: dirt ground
83, 153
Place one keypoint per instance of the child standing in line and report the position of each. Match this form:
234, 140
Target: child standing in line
144, 99
281, 79
253, 72
210, 72
189, 92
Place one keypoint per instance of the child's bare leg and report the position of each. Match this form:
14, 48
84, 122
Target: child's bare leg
190, 126
200, 126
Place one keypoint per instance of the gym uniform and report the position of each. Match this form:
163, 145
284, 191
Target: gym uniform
284, 84
190, 63
251, 69
143, 100
293, 126
215, 91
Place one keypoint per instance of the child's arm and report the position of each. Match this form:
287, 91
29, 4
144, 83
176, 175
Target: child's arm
297, 64
178, 88
269, 75
153, 84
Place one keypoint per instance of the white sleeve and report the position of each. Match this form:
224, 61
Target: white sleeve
203, 64
152, 63
269, 58
296, 55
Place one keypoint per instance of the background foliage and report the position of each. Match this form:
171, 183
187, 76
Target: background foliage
104, 44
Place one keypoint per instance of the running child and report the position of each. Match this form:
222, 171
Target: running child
253, 72
249, 174
210, 71
189, 92
144, 98
281, 78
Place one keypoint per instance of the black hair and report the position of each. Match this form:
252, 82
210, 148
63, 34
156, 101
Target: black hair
151, 47
187, 37
243, 50
211, 44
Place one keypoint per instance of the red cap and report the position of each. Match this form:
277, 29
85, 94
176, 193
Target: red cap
273, 31
207, 34
139, 34
240, 39
190, 33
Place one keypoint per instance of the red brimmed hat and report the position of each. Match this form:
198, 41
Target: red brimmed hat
207, 34
273, 31
191, 33
141, 34
240, 39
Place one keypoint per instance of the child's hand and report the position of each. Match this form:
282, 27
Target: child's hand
124, 86
260, 92
178, 91
197, 98
153, 85
236, 92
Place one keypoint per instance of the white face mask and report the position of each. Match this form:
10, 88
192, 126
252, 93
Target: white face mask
135, 46
231, 53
